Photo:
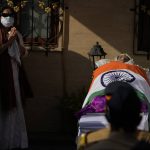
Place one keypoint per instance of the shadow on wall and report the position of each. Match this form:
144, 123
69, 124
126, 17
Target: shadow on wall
48, 77
111, 20
78, 71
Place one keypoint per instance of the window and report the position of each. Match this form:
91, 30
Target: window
36, 25
142, 27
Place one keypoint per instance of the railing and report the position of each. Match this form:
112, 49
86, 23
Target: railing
38, 26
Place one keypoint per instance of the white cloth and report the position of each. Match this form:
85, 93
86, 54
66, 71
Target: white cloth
144, 122
94, 121
102, 62
14, 51
91, 122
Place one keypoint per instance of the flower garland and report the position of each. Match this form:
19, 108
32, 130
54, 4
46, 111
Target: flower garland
47, 9
18, 6
42, 5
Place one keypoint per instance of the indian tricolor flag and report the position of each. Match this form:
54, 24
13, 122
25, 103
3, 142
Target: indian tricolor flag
118, 71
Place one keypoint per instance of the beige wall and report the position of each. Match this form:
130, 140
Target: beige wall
86, 21
110, 22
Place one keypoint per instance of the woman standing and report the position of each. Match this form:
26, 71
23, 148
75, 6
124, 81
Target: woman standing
13, 84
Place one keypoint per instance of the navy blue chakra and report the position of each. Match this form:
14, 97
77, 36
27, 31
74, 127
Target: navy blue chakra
117, 75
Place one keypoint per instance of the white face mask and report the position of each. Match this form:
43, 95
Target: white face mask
7, 21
